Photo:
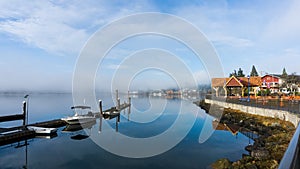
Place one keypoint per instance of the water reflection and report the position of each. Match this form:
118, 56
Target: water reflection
74, 148
235, 130
77, 127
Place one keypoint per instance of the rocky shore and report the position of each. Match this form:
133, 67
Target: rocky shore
268, 148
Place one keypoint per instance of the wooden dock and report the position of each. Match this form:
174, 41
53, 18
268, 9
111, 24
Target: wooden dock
12, 117
115, 111
20, 133
16, 136
50, 124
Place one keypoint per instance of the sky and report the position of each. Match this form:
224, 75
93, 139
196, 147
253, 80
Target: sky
40, 41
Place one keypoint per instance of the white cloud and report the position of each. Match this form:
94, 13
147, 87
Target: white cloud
52, 37
286, 26
286, 58
58, 27
230, 41
216, 24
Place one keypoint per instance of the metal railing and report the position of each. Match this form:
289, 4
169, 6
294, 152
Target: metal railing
291, 159
292, 106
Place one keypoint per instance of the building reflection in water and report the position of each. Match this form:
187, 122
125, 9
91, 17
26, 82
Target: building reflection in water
234, 129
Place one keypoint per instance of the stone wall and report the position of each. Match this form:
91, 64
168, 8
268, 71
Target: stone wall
283, 115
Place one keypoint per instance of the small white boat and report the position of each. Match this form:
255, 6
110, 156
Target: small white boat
42, 130
80, 119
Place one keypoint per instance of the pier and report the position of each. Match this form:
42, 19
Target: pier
20, 133
113, 111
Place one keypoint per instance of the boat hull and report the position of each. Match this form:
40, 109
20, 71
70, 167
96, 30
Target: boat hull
42, 130
79, 120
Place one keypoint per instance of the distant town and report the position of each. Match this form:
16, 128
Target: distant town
237, 84
174, 93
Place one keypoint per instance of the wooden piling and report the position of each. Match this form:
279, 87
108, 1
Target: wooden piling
117, 126
117, 94
118, 119
100, 106
128, 95
100, 124
24, 113
118, 104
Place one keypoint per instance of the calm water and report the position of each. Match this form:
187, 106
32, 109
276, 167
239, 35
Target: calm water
64, 152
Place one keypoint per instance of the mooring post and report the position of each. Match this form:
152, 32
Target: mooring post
128, 95
124, 106
24, 113
117, 94
117, 126
129, 100
100, 106
129, 108
26, 108
128, 112
100, 124
118, 104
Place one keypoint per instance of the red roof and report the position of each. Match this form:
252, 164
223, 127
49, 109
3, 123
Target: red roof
236, 82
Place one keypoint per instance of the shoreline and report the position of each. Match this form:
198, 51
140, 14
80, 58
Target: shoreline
268, 148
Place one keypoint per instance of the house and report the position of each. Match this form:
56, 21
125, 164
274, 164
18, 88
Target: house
271, 82
236, 86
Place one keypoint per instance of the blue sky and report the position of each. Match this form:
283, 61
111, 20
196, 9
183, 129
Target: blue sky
41, 40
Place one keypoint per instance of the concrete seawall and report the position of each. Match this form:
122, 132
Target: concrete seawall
281, 114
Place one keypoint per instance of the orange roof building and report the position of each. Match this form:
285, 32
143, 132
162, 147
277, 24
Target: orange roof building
235, 85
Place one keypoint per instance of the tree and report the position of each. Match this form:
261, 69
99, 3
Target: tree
284, 74
292, 78
233, 74
240, 73
253, 71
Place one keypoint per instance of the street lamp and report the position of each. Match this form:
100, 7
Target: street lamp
248, 100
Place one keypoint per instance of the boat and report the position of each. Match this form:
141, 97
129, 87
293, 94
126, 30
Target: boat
79, 137
43, 136
42, 130
80, 118
77, 127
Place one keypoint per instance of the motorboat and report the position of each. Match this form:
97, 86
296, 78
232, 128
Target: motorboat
82, 115
77, 127
79, 119
42, 130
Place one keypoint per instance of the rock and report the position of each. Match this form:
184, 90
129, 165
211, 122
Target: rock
237, 163
275, 124
250, 166
249, 148
260, 154
223, 163
270, 143
270, 164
